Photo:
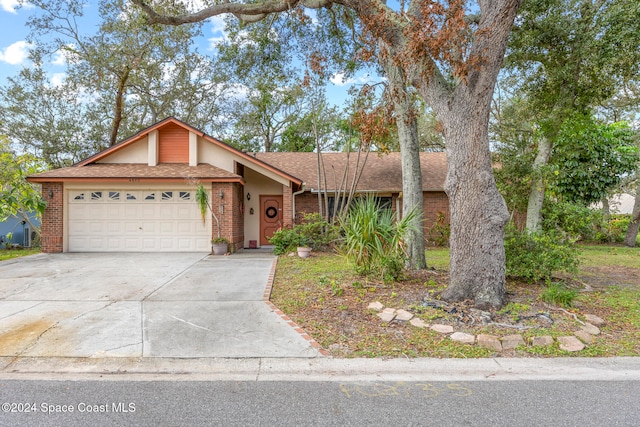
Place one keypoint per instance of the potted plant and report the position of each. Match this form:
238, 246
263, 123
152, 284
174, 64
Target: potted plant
304, 247
220, 246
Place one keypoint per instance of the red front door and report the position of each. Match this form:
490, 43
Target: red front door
270, 217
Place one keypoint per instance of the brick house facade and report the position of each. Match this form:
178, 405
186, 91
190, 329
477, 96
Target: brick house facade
139, 195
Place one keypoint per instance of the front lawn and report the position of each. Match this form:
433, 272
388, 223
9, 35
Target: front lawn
16, 253
329, 301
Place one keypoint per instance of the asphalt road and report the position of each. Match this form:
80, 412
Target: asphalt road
335, 403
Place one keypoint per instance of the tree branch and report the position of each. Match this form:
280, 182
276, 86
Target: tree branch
246, 12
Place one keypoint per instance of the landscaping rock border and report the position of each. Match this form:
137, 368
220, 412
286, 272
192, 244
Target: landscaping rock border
573, 343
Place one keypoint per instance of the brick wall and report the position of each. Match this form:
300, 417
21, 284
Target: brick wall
434, 202
287, 207
228, 211
52, 218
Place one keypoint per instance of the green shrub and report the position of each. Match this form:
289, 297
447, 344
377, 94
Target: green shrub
572, 219
559, 294
314, 232
536, 256
373, 240
440, 231
612, 230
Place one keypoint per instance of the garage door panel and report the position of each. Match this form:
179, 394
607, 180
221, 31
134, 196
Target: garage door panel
132, 220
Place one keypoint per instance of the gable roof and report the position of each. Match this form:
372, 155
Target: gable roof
381, 173
161, 171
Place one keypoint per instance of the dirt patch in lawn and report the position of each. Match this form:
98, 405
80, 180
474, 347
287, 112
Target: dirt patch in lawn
332, 305
606, 276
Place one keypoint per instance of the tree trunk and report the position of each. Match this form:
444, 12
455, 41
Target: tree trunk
412, 197
119, 107
632, 230
478, 213
536, 196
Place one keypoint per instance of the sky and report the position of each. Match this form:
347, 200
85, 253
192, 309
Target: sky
14, 48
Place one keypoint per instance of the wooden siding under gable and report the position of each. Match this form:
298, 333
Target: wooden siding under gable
173, 144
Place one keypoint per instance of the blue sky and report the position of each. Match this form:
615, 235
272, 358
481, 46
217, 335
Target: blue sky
14, 48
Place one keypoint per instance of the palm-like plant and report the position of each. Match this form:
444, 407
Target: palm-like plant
374, 239
202, 199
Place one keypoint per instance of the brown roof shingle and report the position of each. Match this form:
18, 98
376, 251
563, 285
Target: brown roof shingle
166, 171
381, 173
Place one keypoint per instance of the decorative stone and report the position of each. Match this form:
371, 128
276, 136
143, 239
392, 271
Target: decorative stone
571, 344
585, 336
442, 329
589, 328
489, 341
387, 315
594, 320
463, 338
403, 315
510, 342
377, 306
544, 341
419, 323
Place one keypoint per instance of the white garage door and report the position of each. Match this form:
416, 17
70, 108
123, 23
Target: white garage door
121, 220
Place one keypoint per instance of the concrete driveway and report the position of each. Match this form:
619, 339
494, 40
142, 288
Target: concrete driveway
183, 305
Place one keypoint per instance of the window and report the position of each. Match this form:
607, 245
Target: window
185, 195
167, 195
150, 196
79, 197
114, 195
96, 195
131, 196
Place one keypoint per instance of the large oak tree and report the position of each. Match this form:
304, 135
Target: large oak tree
453, 60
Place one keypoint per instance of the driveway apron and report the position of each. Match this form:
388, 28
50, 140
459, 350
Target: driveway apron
183, 305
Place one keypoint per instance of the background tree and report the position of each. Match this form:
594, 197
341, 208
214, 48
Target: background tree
17, 196
565, 58
46, 120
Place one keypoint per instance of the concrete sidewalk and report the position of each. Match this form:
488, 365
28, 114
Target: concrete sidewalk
179, 305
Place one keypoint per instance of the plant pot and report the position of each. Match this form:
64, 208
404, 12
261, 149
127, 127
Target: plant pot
303, 252
219, 248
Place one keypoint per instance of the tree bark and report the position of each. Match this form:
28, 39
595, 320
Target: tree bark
478, 212
118, 107
536, 195
412, 197
632, 229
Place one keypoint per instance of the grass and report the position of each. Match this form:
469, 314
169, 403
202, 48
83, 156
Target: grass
329, 300
438, 258
598, 255
6, 254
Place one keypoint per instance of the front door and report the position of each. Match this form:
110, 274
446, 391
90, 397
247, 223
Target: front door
270, 217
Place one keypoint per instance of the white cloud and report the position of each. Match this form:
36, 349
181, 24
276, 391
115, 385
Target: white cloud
57, 79
217, 29
9, 5
16, 53
339, 80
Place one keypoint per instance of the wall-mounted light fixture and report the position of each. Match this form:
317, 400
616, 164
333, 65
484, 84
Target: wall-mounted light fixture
251, 211
50, 194
248, 196
221, 194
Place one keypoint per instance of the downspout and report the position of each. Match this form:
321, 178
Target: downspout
293, 202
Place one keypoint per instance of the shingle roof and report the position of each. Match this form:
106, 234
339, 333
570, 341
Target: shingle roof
381, 173
170, 171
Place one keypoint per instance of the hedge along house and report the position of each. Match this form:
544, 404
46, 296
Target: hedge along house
139, 195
